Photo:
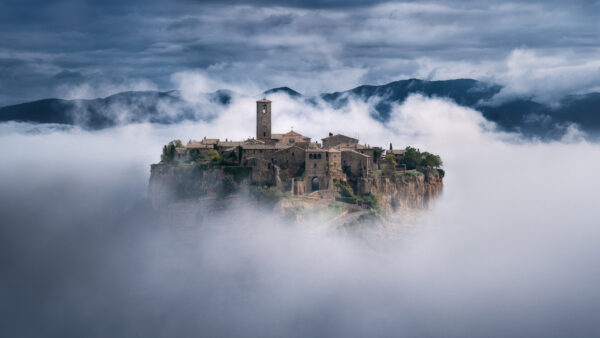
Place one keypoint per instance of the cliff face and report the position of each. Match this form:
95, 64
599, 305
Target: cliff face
402, 192
181, 190
170, 184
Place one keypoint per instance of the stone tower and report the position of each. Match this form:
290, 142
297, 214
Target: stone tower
263, 120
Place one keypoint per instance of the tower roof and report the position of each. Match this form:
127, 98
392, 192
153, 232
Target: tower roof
264, 99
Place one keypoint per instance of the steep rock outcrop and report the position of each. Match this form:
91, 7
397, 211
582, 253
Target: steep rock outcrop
416, 190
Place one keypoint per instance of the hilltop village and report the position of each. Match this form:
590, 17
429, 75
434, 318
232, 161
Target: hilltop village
338, 168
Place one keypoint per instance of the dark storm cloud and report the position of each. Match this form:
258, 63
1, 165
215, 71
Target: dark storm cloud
292, 43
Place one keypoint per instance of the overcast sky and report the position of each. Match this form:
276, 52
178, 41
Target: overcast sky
85, 49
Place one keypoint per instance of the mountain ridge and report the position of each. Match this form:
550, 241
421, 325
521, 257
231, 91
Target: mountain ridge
523, 115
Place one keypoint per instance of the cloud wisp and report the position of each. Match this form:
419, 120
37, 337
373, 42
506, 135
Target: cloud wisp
52, 48
501, 253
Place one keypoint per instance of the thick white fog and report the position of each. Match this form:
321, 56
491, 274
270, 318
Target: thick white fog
509, 249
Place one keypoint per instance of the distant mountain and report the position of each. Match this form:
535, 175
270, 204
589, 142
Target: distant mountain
521, 115
525, 116
465, 92
122, 108
286, 90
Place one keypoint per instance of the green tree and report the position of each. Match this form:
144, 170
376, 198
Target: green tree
391, 158
412, 157
169, 151
377, 152
431, 160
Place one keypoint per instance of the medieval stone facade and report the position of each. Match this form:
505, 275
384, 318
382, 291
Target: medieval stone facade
291, 158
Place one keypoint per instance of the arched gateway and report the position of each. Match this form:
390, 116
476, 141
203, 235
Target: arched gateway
315, 184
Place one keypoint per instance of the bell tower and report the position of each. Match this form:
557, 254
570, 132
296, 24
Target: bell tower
263, 120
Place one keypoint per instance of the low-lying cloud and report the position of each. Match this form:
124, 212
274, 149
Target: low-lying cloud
506, 251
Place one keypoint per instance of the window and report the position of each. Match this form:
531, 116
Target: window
319, 156
292, 140
264, 134
315, 165
264, 108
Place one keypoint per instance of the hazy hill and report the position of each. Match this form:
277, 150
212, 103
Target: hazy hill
520, 115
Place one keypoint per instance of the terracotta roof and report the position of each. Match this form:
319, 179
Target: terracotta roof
354, 152
292, 133
231, 143
259, 146
277, 136
198, 145
328, 137
210, 141
316, 150
395, 151
264, 99
253, 141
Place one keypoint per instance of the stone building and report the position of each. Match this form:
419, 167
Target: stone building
262, 151
360, 165
334, 140
263, 120
291, 159
291, 138
397, 153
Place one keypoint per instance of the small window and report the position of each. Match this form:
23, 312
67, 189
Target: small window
292, 140
315, 165
319, 156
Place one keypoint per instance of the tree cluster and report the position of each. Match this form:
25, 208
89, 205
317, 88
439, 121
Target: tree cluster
169, 151
413, 158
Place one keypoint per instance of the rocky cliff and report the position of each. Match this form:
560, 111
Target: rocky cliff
185, 194
411, 190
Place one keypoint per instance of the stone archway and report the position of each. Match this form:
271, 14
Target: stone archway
315, 184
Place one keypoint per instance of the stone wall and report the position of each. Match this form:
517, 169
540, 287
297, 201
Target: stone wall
359, 164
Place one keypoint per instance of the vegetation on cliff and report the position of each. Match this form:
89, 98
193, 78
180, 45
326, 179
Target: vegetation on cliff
413, 158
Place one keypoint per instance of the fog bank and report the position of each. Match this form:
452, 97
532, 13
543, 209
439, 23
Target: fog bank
508, 250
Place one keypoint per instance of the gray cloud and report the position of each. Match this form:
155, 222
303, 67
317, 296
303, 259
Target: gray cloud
308, 45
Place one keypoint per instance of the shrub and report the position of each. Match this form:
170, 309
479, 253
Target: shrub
371, 201
390, 158
344, 199
346, 189
229, 158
